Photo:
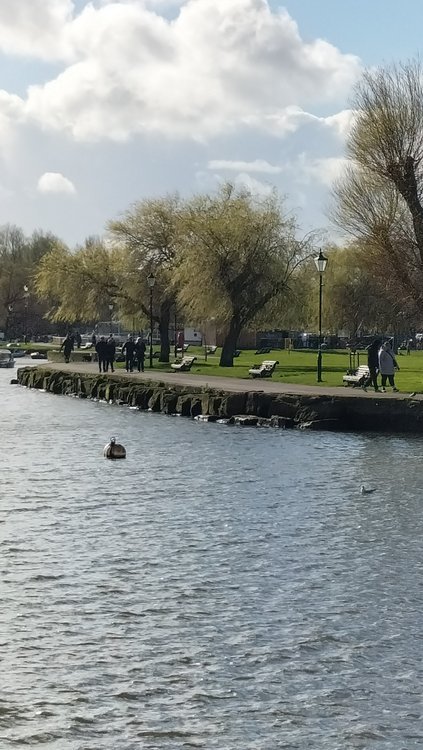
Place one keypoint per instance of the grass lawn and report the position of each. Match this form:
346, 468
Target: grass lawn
300, 367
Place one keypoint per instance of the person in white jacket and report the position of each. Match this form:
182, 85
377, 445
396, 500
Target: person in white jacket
387, 365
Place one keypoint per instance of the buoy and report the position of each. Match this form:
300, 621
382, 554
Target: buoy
114, 449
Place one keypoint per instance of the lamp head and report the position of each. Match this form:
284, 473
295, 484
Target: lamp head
321, 262
151, 280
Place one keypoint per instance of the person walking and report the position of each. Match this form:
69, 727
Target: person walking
67, 346
373, 361
101, 349
111, 353
140, 353
387, 366
128, 349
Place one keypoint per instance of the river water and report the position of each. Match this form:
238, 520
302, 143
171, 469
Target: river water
223, 587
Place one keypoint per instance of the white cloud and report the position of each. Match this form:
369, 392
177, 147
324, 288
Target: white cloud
54, 182
341, 122
36, 28
283, 122
215, 66
255, 186
324, 170
259, 165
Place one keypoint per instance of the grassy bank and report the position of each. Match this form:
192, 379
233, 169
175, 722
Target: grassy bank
300, 367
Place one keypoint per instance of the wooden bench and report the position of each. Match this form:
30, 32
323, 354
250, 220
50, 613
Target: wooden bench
265, 370
357, 377
184, 365
179, 348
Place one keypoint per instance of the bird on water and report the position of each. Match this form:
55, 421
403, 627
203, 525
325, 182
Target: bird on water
366, 490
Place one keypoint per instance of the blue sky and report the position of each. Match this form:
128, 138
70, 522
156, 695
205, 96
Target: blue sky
378, 31
104, 103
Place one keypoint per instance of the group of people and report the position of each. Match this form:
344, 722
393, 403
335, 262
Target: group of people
106, 353
381, 360
134, 352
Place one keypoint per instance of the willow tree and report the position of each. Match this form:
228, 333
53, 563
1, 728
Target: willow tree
80, 285
376, 216
238, 254
148, 231
379, 199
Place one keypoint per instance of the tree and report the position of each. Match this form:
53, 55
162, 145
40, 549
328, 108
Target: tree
18, 258
379, 199
149, 231
238, 254
355, 298
79, 286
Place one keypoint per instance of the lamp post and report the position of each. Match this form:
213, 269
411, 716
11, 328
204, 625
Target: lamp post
321, 263
175, 333
151, 280
111, 321
26, 295
8, 322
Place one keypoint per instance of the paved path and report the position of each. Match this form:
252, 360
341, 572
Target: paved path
230, 384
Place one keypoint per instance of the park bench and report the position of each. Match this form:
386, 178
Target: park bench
184, 365
181, 350
357, 377
211, 349
265, 370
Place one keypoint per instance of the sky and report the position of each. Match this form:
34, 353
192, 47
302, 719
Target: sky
104, 103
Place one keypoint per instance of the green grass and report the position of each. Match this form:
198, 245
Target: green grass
300, 367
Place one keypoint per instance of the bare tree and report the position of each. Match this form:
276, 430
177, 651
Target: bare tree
379, 198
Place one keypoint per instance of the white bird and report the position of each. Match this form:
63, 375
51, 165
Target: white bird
366, 491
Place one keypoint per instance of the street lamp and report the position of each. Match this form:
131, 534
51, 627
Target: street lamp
321, 263
175, 323
8, 323
151, 280
111, 321
26, 295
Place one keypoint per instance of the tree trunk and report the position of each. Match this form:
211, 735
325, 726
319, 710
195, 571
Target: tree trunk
229, 345
164, 331
407, 185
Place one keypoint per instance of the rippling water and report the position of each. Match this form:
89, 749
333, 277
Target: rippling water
221, 588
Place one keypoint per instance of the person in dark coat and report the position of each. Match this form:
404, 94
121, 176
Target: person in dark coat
101, 349
373, 361
67, 346
93, 339
128, 349
140, 353
78, 340
111, 353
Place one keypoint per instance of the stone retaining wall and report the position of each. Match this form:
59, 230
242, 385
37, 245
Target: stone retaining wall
247, 408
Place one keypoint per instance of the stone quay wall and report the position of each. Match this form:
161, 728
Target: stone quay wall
249, 408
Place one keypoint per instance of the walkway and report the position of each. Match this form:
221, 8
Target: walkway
230, 384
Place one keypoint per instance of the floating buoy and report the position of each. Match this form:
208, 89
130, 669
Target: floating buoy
114, 449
